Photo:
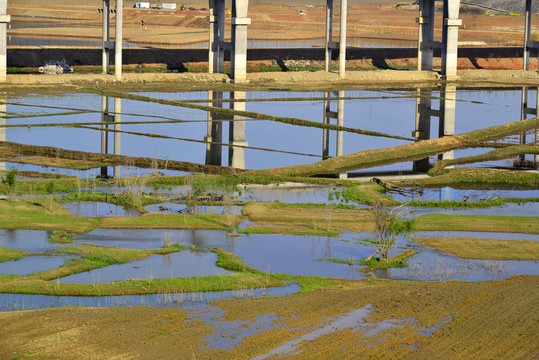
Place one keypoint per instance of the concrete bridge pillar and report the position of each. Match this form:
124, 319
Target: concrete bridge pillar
426, 35
215, 130
4, 20
119, 39
238, 56
330, 44
528, 44
107, 44
238, 43
236, 133
217, 36
450, 38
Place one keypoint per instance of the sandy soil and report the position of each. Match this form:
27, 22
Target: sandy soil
271, 21
490, 320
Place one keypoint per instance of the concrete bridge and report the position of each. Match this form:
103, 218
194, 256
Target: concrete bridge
238, 44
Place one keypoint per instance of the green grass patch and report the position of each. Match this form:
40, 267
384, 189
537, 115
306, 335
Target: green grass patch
41, 214
171, 221
395, 261
486, 249
471, 204
485, 223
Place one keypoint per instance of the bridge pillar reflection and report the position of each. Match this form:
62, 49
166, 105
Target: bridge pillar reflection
447, 117
214, 136
422, 125
328, 114
106, 120
526, 111
3, 129
236, 133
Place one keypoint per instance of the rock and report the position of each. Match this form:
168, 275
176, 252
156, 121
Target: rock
54, 67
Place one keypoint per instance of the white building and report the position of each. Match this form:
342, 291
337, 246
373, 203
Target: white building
142, 5
169, 6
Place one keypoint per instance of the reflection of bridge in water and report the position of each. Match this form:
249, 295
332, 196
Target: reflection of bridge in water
237, 46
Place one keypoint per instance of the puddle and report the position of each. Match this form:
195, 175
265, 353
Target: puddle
30, 240
432, 265
98, 209
180, 264
203, 209
31, 264
15, 302
154, 238
472, 195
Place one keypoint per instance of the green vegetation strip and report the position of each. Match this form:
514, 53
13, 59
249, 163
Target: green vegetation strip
493, 179
483, 223
486, 249
12, 254
95, 257
292, 230
498, 154
244, 277
249, 114
171, 221
408, 152
472, 204
9, 148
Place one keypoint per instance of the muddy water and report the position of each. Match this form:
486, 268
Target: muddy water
98, 209
181, 264
394, 115
15, 302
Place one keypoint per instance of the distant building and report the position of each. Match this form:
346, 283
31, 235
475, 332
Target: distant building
169, 6
142, 5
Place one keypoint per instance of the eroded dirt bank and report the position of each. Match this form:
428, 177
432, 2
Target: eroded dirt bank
311, 79
488, 320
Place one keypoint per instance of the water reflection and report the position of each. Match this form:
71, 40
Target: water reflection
236, 130
106, 120
266, 143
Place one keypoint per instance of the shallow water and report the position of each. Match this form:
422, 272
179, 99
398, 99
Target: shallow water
510, 209
30, 240
98, 209
394, 115
180, 264
15, 302
432, 265
31, 264
471, 195
202, 209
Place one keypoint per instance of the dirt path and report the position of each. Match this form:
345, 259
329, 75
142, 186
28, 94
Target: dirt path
476, 320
